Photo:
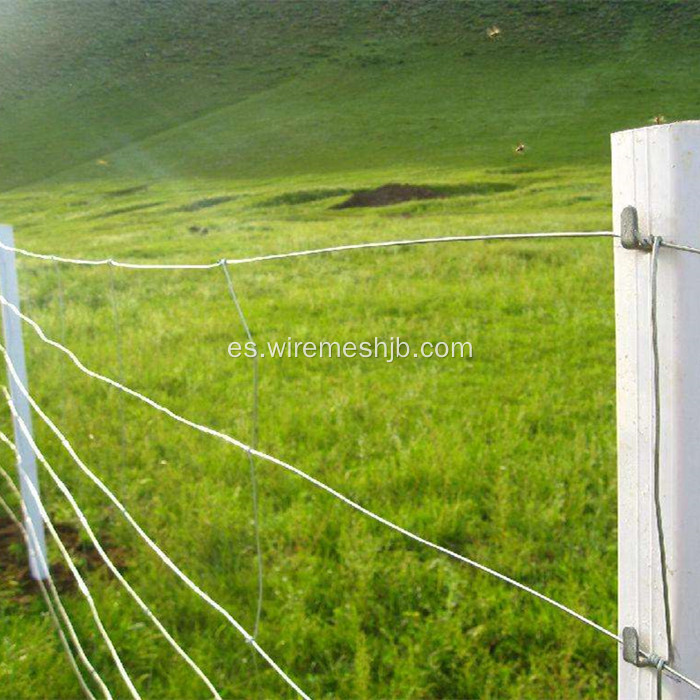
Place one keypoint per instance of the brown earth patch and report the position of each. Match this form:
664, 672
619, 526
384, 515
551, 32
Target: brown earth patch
16, 583
388, 194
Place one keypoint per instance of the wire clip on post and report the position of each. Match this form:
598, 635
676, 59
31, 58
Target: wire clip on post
632, 239
632, 655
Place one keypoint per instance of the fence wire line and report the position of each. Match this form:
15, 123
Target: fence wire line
53, 601
274, 460
82, 586
658, 243
100, 550
49, 603
38, 553
667, 669
312, 251
251, 464
141, 532
678, 246
254, 444
656, 448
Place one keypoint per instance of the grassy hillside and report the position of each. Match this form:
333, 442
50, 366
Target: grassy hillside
249, 89
193, 131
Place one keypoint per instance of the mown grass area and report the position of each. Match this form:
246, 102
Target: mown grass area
245, 148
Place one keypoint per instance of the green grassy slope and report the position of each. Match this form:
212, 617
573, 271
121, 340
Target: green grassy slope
230, 129
245, 89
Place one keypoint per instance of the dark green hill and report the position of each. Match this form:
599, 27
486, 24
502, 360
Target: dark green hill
247, 89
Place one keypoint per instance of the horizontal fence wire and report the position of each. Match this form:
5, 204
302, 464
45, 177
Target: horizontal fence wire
678, 246
63, 488
54, 592
269, 458
254, 452
49, 591
309, 252
50, 604
142, 533
82, 587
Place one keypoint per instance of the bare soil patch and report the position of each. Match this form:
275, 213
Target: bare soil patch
389, 194
395, 194
16, 582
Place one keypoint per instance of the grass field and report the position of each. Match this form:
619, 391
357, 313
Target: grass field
234, 132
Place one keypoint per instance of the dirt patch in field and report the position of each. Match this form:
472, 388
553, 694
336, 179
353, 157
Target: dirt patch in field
16, 582
388, 194
396, 194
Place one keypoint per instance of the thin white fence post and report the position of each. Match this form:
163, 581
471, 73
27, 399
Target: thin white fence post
656, 170
12, 329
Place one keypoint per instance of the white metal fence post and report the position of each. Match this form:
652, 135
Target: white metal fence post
12, 329
656, 170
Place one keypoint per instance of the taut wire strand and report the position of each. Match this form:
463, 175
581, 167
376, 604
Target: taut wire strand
82, 586
45, 595
142, 533
254, 444
253, 451
53, 601
313, 251
656, 445
295, 470
100, 550
678, 246
274, 460
52, 588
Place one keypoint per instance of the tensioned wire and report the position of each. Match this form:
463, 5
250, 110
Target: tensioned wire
100, 550
53, 602
309, 252
35, 540
44, 594
254, 443
330, 249
141, 532
251, 460
303, 253
656, 450
241, 445
82, 586
274, 460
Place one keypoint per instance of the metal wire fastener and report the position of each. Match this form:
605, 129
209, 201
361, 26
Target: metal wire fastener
630, 235
632, 655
